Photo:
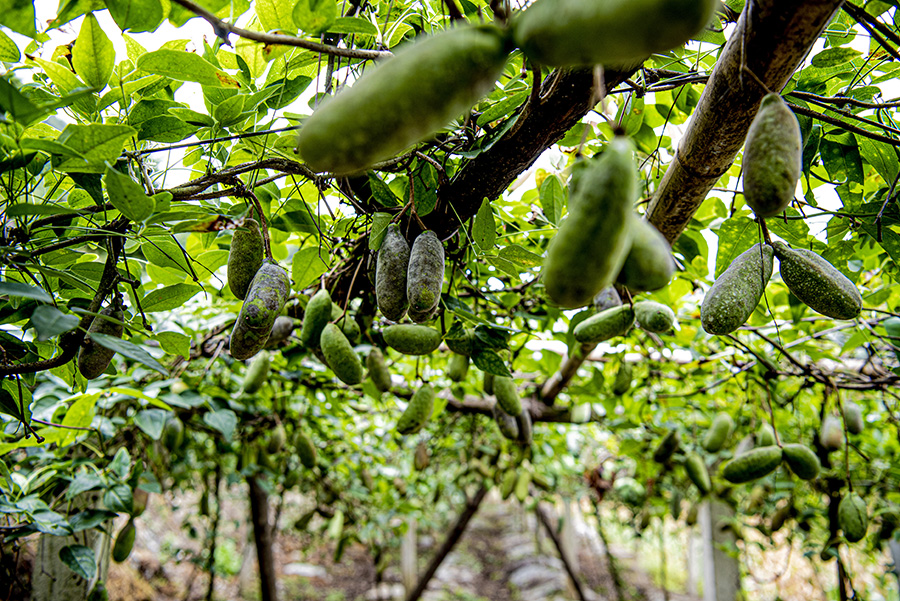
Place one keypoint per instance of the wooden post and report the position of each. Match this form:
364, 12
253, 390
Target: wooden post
721, 571
408, 568
693, 562
262, 532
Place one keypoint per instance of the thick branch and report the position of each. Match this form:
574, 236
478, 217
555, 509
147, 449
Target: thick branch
772, 42
573, 576
558, 381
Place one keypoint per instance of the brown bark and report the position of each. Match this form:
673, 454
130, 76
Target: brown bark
262, 534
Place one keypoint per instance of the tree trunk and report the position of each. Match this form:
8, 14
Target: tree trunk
721, 571
563, 555
262, 533
408, 548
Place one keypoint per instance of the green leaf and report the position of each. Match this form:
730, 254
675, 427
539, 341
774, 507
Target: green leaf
382, 194
49, 322
186, 66
90, 518
166, 129
151, 421
223, 420
11, 405
136, 15
50, 147
17, 105
96, 142
552, 198
307, 266
128, 196
490, 362
507, 267
521, 256
315, 16
380, 222
18, 15
83, 483
93, 56
881, 156
353, 25
129, 350
174, 343
735, 236
834, 57
119, 498
21, 290
275, 15
168, 297
79, 559
121, 464
484, 230
9, 52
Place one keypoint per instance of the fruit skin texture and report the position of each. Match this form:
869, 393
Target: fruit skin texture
832, 434
853, 517
403, 101
340, 356
507, 395
306, 450
488, 383
245, 257
256, 373
718, 433
507, 424
605, 325
93, 359
612, 32
654, 317
802, 461
418, 412
276, 441
346, 323
766, 436
281, 331
622, 383
697, 472
752, 465
523, 420
425, 276
390, 274
772, 158
457, 367
817, 283
317, 314
667, 447
606, 299
266, 297
173, 434
733, 297
378, 371
124, 542
412, 339
853, 417
596, 228
649, 264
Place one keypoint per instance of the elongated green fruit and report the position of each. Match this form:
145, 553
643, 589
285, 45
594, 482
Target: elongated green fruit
390, 274
718, 433
256, 373
346, 322
506, 423
608, 32
418, 412
421, 458
412, 339
378, 371
605, 325
590, 247
853, 517
508, 483
281, 331
507, 395
853, 417
340, 356
317, 314
266, 297
772, 158
457, 367
93, 359
124, 542
277, 438
832, 434
802, 461
245, 257
818, 283
425, 276
405, 100
654, 317
765, 437
752, 465
667, 447
523, 420
306, 450
697, 472
622, 383
173, 434
606, 299
488, 383
649, 264
733, 297
462, 344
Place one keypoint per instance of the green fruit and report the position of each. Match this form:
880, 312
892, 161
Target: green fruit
523, 483
605, 325
139, 505
817, 283
691, 517
506, 423
853, 417
802, 461
766, 436
421, 458
277, 438
256, 373
508, 484
596, 228
507, 395
245, 257
610, 32
523, 420
667, 447
403, 101
752, 465
124, 542
418, 411
654, 317
317, 314
291, 479
892, 329
488, 384
265, 299
340, 356
412, 339
853, 517
734, 296
649, 264
461, 341
457, 367
718, 433
606, 299
378, 371
425, 276
346, 323
772, 158
697, 472
390, 274
281, 331
173, 434
93, 359
832, 434
306, 450
622, 383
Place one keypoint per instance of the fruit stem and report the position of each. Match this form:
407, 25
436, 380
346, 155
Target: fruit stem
263, 225
765, 231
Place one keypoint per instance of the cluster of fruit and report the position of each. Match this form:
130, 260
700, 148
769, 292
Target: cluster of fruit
409, 280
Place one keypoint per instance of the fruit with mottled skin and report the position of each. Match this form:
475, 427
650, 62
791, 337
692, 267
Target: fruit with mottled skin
765, 437
802, 461
654, 317
752, 465
853, 517
418, 411
257, 372
667, 447
649, 264
346, 323
378, 371
93, 359
697, 472
457, 367
606, 299
832, 434
340, 356
718, 432
276, 440
124, 542
507, 395
390, 274
605, 325
317, 314
425, 276
506, 423
853, 417
173, 434
306, 450
245, 257
421, 458
817, 283
772, 158
412, 339
734, 295
622, 383
281, 331
265, 299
